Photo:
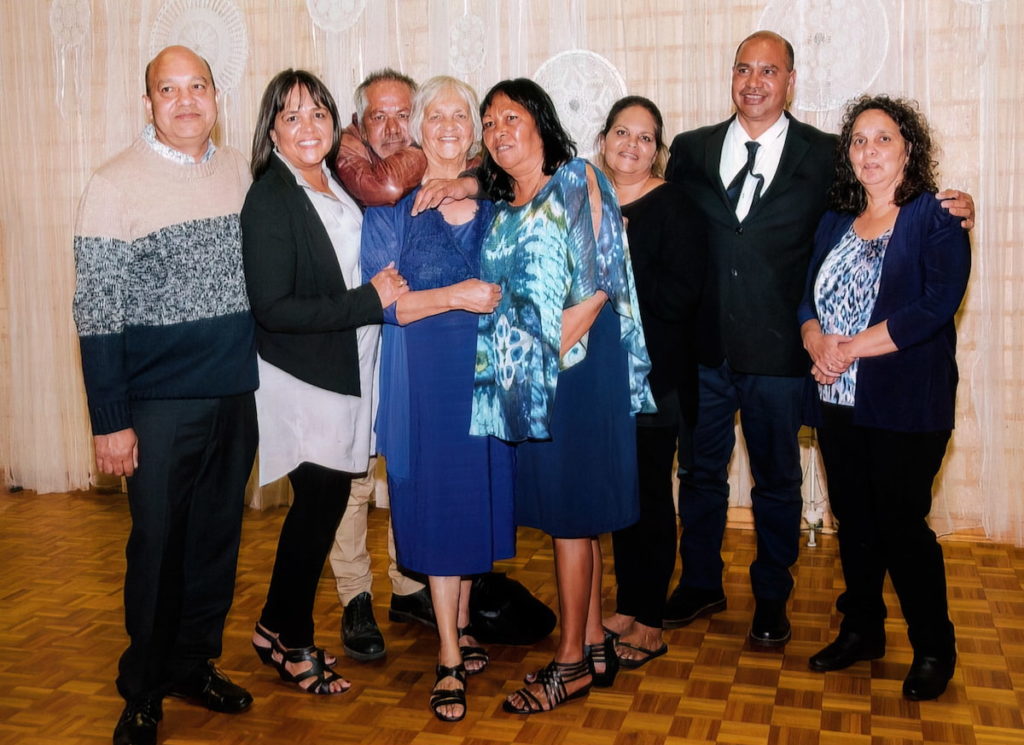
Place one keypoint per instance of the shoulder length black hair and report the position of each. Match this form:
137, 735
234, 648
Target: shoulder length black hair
846, 193
558, 145
274, 99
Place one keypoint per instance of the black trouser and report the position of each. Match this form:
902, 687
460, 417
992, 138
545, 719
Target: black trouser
645, 552
186, 500
320, 497
880, 490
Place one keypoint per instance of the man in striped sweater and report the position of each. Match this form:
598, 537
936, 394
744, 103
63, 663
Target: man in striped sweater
169, 363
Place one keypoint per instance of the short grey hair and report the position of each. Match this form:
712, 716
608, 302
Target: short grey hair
387, 73
431, 90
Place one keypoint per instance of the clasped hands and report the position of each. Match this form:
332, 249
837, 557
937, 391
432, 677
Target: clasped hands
830, 357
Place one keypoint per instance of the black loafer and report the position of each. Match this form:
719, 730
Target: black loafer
928, 677
209, 687
414, 608
686, 604
770, 627
848, 648
137, 725
360, 635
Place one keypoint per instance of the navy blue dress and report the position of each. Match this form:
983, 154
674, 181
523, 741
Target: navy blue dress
451, 493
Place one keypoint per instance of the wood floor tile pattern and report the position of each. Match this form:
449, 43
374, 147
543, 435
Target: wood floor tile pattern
61, 564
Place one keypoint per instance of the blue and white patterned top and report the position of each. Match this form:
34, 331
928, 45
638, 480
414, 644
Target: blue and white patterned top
545, 257
844, 293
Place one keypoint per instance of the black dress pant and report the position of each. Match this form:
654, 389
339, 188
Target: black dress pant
320, 497
186, 499
645, 552
880, 490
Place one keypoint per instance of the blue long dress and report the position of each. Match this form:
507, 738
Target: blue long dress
451, 492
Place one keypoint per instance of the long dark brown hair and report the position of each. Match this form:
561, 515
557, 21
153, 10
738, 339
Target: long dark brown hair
274, 99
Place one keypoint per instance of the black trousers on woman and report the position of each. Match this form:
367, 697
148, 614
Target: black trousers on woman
880, 490
645, 552
320, 497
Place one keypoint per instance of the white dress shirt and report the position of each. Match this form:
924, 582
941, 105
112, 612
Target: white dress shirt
766, 163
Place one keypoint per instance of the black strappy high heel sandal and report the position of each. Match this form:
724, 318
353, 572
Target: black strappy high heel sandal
449, 696
552, 678
603, 654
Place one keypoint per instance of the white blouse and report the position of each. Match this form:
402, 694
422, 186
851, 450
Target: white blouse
299, 421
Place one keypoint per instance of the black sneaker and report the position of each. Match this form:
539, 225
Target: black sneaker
360, 635
137, 725
414, 608
686, 604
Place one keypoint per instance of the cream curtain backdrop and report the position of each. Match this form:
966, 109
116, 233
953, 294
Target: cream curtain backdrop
72, 82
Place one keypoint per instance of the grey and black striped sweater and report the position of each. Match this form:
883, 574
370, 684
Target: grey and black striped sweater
160, 300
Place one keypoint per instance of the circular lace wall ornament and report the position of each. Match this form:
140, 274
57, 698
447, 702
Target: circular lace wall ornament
335, 15
213, 29
840, 47
70, 21
466, 49
583, 86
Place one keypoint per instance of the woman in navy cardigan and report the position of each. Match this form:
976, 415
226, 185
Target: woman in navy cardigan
888, 273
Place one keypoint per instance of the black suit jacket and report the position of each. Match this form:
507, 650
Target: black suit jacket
756, 268
306, 318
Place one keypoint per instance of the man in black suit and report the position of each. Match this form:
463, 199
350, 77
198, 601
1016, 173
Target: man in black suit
761, 180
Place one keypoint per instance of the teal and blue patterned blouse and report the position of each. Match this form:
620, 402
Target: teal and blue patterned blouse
545, 257
845, 293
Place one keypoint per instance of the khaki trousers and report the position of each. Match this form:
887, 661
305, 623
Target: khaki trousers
350, 559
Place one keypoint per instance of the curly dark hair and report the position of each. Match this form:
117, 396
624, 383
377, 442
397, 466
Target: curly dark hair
661, 149
558, 145
846, 193
275, 98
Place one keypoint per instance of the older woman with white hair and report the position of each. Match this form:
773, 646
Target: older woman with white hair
451, 494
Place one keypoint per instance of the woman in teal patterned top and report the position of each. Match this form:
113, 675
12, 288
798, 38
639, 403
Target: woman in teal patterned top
561, 366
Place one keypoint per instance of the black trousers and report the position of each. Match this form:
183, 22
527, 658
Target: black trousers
186, 500
645, 552
320, 497
880, 490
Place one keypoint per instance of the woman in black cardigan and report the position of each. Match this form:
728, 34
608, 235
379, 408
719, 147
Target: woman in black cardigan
317, 339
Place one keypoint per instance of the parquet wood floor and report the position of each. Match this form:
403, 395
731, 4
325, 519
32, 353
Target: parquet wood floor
61, 560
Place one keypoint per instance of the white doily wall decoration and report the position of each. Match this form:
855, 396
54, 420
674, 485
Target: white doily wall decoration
466, 49
583, 86
840, 47
70, 23
214, 29
335, 15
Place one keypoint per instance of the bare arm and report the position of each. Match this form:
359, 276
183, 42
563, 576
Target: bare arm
577, 320
873, 341
473, 295
438, 191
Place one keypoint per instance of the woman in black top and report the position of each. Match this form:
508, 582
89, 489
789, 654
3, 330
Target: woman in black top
667, 250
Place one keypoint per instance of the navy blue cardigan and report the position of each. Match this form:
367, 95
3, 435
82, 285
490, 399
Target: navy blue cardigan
924, 277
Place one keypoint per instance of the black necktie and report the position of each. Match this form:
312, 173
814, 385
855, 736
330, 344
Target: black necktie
735, 187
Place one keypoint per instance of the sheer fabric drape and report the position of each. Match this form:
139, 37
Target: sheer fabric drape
68, 106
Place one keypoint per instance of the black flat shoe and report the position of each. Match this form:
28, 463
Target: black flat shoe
137, 725
209, 687
928, 677
449, 696
473, 653
686, 604
847, 649
770, 628
414, 608
552, 679
360, 635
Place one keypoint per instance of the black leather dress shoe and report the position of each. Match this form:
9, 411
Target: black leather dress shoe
687, 604
137, 725
848, 648
414, 608
928, 677
209, 687
360, 635
770, 627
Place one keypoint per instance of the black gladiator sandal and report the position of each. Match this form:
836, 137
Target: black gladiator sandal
552, 678
603, 654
